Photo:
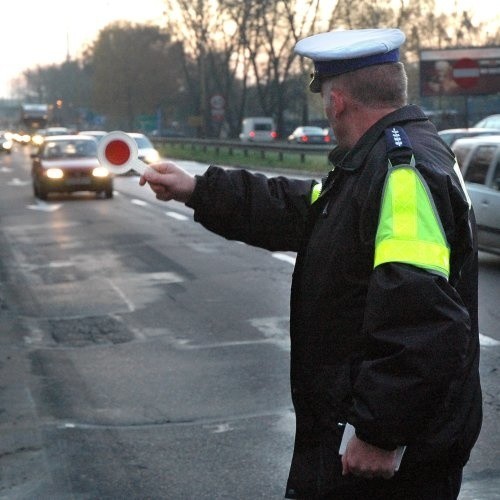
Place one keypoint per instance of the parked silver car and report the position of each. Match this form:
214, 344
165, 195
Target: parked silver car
491, 121
450, 135
479, 160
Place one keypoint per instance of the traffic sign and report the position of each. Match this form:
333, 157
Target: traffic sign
466, 73
217, 105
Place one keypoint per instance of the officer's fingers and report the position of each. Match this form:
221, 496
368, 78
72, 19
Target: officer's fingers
161, 191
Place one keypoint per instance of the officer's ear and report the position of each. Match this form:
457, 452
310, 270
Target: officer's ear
339, 101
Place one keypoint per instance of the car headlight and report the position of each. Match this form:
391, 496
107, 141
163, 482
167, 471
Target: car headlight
37, 140
100, 172
152, 157
55, 173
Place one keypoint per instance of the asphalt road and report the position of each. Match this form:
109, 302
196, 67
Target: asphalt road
143, 357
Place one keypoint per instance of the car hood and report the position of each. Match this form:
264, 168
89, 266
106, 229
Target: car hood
71, 163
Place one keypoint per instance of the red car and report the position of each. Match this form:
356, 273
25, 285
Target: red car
68, 163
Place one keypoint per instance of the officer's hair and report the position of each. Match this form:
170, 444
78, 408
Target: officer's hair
378, 86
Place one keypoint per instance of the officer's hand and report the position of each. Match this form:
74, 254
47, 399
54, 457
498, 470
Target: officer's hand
169, 181
367, 461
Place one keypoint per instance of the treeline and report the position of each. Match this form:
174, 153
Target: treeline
138, 76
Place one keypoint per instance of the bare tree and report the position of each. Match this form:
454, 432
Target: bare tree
257, 52
271, 30
210, 54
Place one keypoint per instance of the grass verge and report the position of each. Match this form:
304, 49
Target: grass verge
287, 162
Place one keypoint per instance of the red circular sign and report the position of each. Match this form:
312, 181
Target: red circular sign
466, 73
117, 152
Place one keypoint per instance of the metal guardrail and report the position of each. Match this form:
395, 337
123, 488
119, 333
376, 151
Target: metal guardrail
281, 148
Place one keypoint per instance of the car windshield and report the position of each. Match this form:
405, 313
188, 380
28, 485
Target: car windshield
98, 135
143, 142
263, 127
313, 131
70, 149
489, 122
55, 131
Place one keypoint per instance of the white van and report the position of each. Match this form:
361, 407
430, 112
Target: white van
479, 160
258, 129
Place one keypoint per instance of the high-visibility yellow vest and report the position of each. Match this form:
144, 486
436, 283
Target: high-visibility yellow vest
409, 228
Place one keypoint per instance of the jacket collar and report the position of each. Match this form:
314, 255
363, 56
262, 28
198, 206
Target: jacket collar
352, 159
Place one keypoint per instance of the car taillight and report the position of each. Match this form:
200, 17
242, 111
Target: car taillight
304, 138
274, 134
327, 138
252, 134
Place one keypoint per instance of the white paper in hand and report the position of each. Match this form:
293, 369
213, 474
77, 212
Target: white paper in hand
350, 431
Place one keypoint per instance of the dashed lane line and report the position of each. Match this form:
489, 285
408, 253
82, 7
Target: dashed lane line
176, 216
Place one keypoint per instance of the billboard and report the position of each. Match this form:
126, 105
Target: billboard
472, 71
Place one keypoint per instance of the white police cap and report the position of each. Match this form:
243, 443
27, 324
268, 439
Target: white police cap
338, 52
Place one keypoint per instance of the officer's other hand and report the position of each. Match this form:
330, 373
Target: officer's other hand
169, 181
365, 460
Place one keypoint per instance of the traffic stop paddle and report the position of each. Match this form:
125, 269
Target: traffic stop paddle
118, 152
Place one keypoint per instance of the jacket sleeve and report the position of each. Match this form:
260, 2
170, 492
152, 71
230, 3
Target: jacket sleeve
418, 333
264, 212
421, 336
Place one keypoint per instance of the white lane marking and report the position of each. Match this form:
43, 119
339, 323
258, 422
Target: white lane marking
218, 428
140, 203
486, 341
18, 182
284, 257
177, 216
166, 277
275, 329
184, 344
118, 290
44, 207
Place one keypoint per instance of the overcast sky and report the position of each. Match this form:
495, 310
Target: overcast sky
36, 32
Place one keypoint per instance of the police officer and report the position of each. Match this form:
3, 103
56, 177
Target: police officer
384, 333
